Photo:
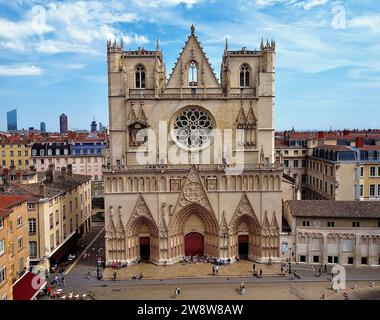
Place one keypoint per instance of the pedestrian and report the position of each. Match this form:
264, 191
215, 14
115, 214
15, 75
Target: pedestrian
177, 291
213, 270
217, 269
114, 275
63, 282
254, 267
261, 272
140, 276
89, 274
325, 268
282, 269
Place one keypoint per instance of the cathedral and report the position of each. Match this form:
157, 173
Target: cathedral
192, 168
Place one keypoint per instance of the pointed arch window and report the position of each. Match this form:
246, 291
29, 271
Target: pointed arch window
193, 74
244, 76
140, 77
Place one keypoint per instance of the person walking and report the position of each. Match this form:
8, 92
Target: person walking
254, 267
177, 292
213, 270
114, 275
216, 269
261, 272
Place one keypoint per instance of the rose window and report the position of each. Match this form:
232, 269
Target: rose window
193, 128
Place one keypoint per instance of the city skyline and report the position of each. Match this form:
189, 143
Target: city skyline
64, 71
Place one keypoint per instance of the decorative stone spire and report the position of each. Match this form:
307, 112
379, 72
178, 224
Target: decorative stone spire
226, 45
192, 29
262, 155
158, 44
121, 43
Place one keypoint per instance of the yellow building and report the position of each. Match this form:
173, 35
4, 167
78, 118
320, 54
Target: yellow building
14, 253
59, 213
15, 153
370, 173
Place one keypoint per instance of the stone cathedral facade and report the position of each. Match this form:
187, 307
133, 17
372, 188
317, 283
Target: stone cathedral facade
166, 208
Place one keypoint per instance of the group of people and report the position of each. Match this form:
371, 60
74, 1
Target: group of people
257, 273
137, 276
59, 280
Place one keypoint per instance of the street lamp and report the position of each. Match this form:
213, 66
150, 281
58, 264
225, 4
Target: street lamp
290, 259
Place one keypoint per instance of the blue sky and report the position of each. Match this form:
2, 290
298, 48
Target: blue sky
53, 54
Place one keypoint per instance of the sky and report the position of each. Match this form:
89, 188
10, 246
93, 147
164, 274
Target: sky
53, 54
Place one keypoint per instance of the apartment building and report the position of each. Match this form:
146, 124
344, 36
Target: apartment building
331, 232
14, 252
15, 153
84, 152
59, 213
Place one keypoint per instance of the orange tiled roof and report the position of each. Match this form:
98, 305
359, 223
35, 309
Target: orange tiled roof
8, 201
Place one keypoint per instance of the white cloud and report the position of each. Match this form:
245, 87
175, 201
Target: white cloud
168, 3
368, 21
20, 70
305, 4
314, 3
72, 26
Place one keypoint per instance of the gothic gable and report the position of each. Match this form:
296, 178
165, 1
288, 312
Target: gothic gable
192, 52
141, 209
193, 191
244, 208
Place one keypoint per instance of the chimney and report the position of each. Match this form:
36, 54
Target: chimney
52, 167
69, 169
346, 132
359, 142
63, 172
43, 190
49, 176
321, 135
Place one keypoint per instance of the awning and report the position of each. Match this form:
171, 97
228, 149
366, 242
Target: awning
28, 286
65, 247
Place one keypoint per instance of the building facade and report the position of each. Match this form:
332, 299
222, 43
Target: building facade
12, 120
63, 123
15, 153
14, 251
332, 232
58, 213
85, 154
216, 202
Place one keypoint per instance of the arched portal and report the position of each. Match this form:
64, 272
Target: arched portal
142, 240
246, 237
194, 244
189, 227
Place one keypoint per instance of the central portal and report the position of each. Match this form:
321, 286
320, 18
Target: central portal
194, 244
243, 246
145, 248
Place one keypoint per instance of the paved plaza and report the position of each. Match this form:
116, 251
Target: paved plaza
197, 281
197, 270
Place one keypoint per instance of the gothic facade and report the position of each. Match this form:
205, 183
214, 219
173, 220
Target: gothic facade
173, 186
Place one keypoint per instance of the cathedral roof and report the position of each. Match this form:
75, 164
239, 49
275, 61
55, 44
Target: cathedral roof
197, 53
